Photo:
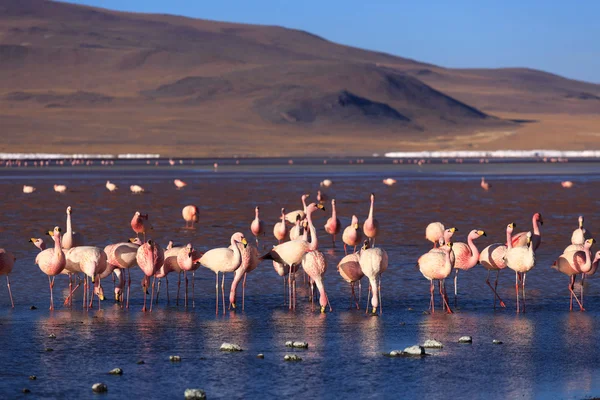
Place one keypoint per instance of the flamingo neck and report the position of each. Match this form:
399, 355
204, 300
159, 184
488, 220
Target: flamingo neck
508, 240
448, 260
256, 214
536, 226
314, 244
474, 252
237, 255
68, 223
371, 208
587, 266
333, 212
304, 203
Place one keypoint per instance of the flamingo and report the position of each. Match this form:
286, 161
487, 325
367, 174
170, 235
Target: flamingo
492, 259
351, 235
572, 263
7, 261
179, 184
257, 227
123, 256
315, 265
349, 269
71, 239
373, 263
579, 236
485, 185
60, 188
150, 257
280, 229
224, 259
326, 183
52, 261
321, 197
291, 216
371, 225
170, 265
92, 261
28, 189
521, 259
389, 181
111, 186
333, 226
566, 184
297, 229
190, 215
436, 230
138, 225
136, 189
187, 260
437, 264
282, 270
466, 256
520, 239
250, 260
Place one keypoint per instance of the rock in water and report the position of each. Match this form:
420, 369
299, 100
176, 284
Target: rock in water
496, 341
116, 371
292, 357
465, 339
432, 344
261, 355
194, 394
297, 345
174, 358
230, 347
99, 387
414, 351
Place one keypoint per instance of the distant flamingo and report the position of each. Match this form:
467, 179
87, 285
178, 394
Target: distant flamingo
349, 269
520, 239
250, 260
52, 261
291, 216
333, 226
466, 256
296, 231
326, 183
138, 225
28, 189
257, 227
521, 259
224, 259
179, 183
190, 215
566, 184
389, 181
373, 263
71, 239
111, 186
136, 189
371, 225
315, 265
492, 259
280, 229
7, 261
60, 188
437, 265
351, 235
150, 257
572, 263
485, 185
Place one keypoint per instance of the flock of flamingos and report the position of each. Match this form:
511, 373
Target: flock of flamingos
69, 256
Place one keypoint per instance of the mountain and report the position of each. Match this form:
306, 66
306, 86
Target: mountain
82, 79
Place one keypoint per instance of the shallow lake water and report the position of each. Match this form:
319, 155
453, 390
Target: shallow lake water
547, 352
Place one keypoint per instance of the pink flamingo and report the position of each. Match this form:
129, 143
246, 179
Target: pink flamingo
170, 265
351, 235
291, 216
71, 239
321, 197
437, 265
150, 257
349, 269
466, 256
250, 260
373, 263
190, 215
7, 261
52, 261
179, 184
436, 231
92, 261
333, 226
257, 227
572, 263
521, 259
224, 259
280, 229
187, 260
297, 230
123, 256
282, 270
371, 225
520, 239
315, 265
485, 185
137, 224
492, 259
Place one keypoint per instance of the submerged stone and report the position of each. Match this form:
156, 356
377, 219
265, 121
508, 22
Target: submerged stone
414, 351
194, 394
465, 339
140, 362
32, 377
297, 345
261, 355
292, 357
116, 371
174, 358
52, 336
230, 347
432, 344
496, 341
99, 387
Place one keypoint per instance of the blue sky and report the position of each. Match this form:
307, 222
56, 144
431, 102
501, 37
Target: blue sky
556, 36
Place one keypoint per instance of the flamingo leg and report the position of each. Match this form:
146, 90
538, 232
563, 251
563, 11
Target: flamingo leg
368, 295
223, 291
345, 249
494, 288
359, 293
158, 290
284, 291
517, 290
9, 292
100, 286
91, 296
145, 294
152, 294
571, 286
290, 290
217, 294
455, 287
244, 290
186, 288
51, 284
431, 292
85, 283
128, 285
524, 276
312, 294
445, 297
167, 285
68, 299
178, 285
582, 282
193, 298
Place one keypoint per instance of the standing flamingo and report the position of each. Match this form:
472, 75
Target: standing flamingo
92, 262
333, 226
71, 239
572, 263
138, 225
521, 259
170, 265
492, 259
579, 236
371, 225
187, 260
315, 265
224, 259
466, 256
291, 216
351, 235
349, 269
280, 229
111, 186
52, 261
7, 261
150, 257
437, 265
436, 230
250, 260
373, 263
520, 239
485, 185
190, 215
123, 256
257, 227
297, 230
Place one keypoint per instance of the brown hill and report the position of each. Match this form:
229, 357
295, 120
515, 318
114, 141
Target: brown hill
80, 79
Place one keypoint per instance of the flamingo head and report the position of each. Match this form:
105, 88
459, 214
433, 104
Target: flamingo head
118, 294
55, 233
256, 209
238, 237
529, 238
538, 217
98, 291
305, 196
333, 202
365, 245
282, 212
510, 227
588, 243
38, 242
69, 210
190, 249
597, 257
313, 207
447, 247
476, 234
135, 241
372, 197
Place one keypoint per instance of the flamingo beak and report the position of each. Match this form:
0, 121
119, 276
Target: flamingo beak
131, 240
32, 240
356, 226
244, 242
322, 309
481, 233
50, 233
513, 225
321, 206
453, 229
233, 305
101, 296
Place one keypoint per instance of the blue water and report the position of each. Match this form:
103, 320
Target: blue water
548, 352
